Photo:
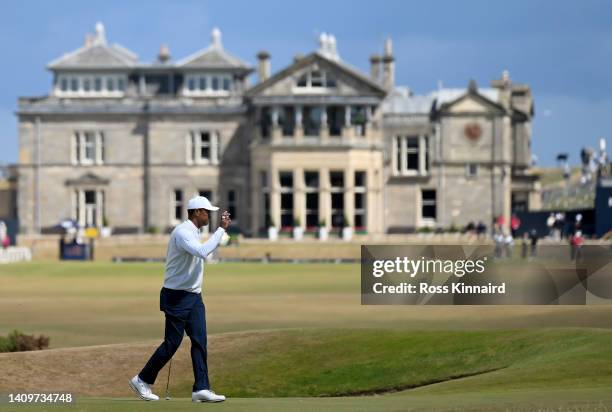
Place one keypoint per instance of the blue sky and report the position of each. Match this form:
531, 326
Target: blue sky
562, 49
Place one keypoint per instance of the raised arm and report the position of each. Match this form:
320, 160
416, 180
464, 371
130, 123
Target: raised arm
192, 245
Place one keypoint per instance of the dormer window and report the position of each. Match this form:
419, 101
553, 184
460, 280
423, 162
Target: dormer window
83, 85
207, 85
315, 80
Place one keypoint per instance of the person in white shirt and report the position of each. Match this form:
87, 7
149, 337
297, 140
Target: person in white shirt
181, 301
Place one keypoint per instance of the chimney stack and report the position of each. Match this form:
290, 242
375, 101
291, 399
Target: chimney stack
375, 67
388, 66
263, 66
89, 40
164, 53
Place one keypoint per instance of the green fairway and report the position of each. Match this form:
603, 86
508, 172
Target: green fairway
80, 304
295, 336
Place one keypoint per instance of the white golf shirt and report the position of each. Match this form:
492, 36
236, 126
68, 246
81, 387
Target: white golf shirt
185, 257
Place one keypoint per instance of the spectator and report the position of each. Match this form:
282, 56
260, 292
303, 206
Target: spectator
481, 229
578, 223
525, 246
533, 235
515, 223
3, 235
470, 227
498, 238
576, 242
550, 222
508, 245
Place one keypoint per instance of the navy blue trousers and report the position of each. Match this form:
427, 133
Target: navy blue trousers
184, 313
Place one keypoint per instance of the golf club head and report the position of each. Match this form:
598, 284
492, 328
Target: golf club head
168, 397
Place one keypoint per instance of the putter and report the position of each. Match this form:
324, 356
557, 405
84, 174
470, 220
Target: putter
168, 382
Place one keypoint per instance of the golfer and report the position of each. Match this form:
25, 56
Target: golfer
181, 301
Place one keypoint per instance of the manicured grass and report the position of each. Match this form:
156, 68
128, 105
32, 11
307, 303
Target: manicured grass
80, 304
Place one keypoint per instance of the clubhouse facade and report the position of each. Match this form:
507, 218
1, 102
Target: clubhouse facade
124, 144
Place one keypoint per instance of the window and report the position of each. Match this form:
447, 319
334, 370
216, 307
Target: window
428, 204
471, 170
206, 84
360, 200
286, 188
286, 120
312, 120
335, 120
91, 85
232, 202
359, 120
316, 79
336, 179
410, 155
203, 147
207, 193
177, 206
311, 183
265, 122
88, 148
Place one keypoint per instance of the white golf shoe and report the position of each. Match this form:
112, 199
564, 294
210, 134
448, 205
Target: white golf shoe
142, 389
206, 395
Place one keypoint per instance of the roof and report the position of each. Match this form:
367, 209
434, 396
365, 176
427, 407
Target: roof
96, 53
400, 101
96, 56
213, 57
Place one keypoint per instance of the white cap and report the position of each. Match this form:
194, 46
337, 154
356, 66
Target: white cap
200, 202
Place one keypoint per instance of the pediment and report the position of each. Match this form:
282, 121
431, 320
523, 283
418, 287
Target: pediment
87, 179
346, 81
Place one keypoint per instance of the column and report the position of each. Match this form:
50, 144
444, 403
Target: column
274, 197
347, 129
214, 147
99, 207
276, 130
255, 197
299, 127
422, 157
324, 197
324, 133
299, 196
368, 125
349, 195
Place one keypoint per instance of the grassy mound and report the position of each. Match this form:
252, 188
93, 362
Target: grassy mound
306, 363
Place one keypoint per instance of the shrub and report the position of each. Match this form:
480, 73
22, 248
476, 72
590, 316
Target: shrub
19, 342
